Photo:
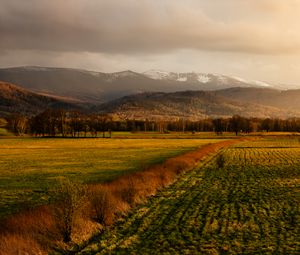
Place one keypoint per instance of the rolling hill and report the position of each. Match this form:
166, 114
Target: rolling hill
14, 99
190, 105
283, 99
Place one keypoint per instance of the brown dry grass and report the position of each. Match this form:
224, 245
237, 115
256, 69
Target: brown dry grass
19, 244
28, 232
34, 231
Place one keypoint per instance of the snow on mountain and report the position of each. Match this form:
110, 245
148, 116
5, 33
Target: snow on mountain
183, 78
93, 73
203, 78
157, 74
239, 79
261, 83
222, 78
126, 73
34, 68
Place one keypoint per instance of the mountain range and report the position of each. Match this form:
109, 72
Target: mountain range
97, 87
152, 94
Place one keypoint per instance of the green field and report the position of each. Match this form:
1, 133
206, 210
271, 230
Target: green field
30, 166
4, 132
173, 135
250, 206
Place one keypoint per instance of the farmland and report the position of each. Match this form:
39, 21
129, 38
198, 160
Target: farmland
248, 206
29, 167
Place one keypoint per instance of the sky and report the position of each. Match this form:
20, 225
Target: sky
252, 39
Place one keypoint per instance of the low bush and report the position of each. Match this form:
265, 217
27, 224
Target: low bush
103, 204
70, 200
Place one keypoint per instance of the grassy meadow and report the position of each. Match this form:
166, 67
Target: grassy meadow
3, 131
29, 167
249, 205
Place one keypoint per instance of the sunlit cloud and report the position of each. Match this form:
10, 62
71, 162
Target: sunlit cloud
74, 31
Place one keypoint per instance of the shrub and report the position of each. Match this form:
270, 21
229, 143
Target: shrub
177, 165
71, 198
103, 205
128, 190
165, 177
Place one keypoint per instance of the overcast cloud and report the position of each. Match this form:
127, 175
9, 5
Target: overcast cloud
254, 39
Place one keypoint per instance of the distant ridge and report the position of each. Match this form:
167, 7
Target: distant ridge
285, 99
14, 99
97, 87
192, 105
152, 95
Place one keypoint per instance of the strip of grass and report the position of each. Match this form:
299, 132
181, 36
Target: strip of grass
4, 132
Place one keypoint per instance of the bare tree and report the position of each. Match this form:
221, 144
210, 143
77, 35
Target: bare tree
70, 199
17, 124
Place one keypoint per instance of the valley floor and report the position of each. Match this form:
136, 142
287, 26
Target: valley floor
31, 167
251, 205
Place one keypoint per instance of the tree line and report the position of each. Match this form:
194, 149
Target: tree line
58, 122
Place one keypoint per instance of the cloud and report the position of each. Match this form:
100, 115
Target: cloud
254, 39
145, 26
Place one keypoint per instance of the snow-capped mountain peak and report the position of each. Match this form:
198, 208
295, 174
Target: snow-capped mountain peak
205, 79
157, 74
261, 83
